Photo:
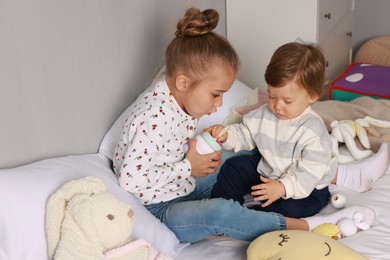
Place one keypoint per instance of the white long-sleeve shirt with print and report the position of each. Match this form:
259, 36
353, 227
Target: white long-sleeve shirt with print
297, 152
149, 157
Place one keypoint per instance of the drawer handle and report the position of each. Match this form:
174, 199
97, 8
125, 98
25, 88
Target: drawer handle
327, 16
349, 34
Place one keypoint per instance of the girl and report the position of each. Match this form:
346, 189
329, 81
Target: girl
151, 162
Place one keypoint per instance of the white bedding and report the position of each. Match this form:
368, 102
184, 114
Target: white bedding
375, 242
24, 192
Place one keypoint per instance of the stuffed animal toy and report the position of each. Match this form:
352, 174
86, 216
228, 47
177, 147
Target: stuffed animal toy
299, 245
345, 227
345, 131
85, 222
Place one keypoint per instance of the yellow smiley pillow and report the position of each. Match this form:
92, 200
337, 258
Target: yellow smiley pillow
299, 245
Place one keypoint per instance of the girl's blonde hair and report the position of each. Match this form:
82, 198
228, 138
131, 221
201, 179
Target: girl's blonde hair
196, 48
302, 62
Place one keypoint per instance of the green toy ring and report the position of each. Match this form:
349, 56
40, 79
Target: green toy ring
211, 141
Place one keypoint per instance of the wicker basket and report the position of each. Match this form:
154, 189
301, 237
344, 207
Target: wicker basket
375, 51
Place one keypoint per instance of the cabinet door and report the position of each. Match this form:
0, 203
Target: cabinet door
330, 13
337, 48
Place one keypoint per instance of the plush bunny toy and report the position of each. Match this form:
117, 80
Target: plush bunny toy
345, 131
85, 222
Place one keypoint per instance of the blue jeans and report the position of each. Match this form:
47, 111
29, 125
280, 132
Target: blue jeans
196, 216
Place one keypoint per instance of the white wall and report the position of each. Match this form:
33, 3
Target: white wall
372, 18
68, 68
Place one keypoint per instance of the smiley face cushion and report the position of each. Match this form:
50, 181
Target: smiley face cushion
299, 245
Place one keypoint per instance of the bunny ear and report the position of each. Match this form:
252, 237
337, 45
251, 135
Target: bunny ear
357, 217
57, 203
377, 122
80, 209
363, 225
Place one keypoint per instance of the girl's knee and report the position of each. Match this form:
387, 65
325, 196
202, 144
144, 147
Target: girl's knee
222, 207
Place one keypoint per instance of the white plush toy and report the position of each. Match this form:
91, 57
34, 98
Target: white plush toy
345, 131
345, 227
85, 222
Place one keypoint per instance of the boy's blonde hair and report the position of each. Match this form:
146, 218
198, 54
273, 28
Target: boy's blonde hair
196, 48
300, 62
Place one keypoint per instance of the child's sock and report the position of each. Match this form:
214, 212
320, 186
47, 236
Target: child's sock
367, 214
359, 176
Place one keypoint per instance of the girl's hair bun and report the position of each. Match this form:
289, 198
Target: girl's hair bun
196, 23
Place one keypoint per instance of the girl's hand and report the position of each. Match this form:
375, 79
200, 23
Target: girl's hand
215, 132
202, 164
268, 191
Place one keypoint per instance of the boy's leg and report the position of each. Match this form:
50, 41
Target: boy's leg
236, 178
204, 185
299, 208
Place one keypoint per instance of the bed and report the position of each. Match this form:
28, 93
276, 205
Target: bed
47, 141
24, 192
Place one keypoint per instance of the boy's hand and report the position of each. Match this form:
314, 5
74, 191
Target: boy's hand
268, 191
202, 164
215, 132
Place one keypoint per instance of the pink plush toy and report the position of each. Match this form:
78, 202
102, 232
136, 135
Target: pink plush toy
138, 249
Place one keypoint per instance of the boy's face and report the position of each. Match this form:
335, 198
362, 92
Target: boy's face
206, 97
289, 101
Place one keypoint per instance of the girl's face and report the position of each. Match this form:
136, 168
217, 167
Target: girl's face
206, 97
289, 101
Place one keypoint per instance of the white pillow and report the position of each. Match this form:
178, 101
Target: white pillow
25, 190
236, 96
